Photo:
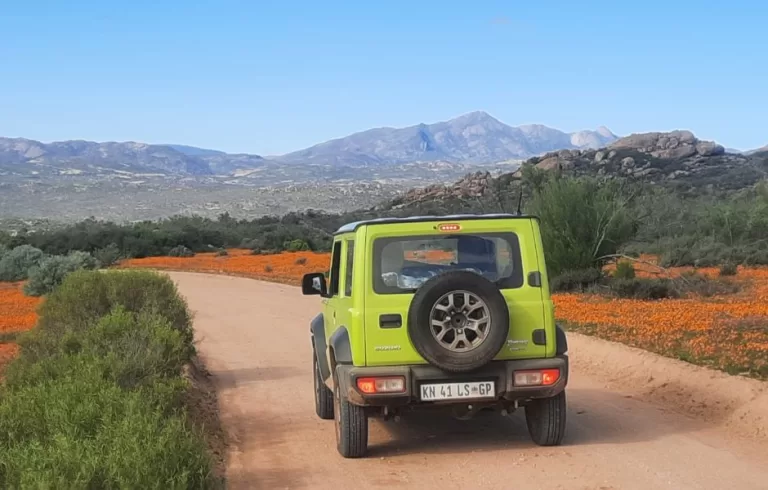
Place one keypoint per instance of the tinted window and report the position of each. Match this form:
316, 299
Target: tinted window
335, 269
348, 275
404, 263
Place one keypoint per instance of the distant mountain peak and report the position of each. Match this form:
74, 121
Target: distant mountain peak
605, 132
473, 137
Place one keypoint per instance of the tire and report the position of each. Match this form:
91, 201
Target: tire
323, 395
546, 420
351, 424
420, 329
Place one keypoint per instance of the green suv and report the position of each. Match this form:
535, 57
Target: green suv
448, 312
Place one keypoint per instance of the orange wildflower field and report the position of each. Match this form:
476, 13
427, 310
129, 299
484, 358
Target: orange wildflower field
728, 332
286, 267
17, 314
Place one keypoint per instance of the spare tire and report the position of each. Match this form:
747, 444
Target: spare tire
458, 321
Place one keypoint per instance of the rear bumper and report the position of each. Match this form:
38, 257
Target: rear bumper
500, 372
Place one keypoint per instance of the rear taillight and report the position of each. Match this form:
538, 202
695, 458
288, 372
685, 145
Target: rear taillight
537, 377
389, 384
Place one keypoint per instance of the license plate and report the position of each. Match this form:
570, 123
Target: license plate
458, 391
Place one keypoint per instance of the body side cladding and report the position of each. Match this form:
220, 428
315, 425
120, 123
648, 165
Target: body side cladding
317, 327
342, 349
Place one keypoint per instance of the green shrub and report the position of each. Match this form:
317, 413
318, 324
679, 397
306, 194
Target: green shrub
728, 269
85, 432
582, 221
643, 288
88, 295
130, 349
96, 398
575, 280
624, 270
296, 245
15, 265
108, 256
180, 251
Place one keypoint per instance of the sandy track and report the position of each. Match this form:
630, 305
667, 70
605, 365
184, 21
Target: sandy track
254, 339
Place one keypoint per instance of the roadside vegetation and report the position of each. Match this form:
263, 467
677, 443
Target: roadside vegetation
95, 397
44, 272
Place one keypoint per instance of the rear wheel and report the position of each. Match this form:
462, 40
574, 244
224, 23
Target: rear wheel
323, 395
351, 427
546, 420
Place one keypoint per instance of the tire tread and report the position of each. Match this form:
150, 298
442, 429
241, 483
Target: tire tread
353, 440
323, 400
546, 420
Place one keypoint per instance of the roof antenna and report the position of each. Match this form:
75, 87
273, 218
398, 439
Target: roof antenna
520, 202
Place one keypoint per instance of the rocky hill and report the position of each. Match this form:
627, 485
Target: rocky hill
677, 159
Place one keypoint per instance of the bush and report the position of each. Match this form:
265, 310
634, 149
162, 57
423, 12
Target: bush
297, 245
16, 264
86, 295
85, 432
96, 397
582, 221
129, 349
624, 270
222, 252
51, 271
642, 288
180, 251
728, 269
576, 280
695, 283
108, 255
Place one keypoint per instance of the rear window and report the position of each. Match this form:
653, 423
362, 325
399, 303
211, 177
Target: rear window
404, 263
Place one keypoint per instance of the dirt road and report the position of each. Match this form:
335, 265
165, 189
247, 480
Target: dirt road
254, 339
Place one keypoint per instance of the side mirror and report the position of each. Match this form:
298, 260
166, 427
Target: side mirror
314, 284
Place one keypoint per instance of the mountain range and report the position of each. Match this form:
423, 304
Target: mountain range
473, 138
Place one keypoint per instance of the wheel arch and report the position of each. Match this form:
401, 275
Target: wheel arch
317, 329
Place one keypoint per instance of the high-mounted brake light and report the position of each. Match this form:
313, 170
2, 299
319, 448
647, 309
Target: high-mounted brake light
537, 377
449, 227
390, 384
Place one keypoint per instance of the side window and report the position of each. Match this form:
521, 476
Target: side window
348, 268
333, 290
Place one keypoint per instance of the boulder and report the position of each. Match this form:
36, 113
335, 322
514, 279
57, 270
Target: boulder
682, 151
550, 163
599, 156
709, 148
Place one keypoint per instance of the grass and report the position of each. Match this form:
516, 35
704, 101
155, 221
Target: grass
95, 398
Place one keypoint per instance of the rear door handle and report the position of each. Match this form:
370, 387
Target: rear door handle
390, 321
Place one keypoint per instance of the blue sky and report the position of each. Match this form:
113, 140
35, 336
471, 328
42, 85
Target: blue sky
269, 77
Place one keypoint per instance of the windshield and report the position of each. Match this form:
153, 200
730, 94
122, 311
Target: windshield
405, 263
